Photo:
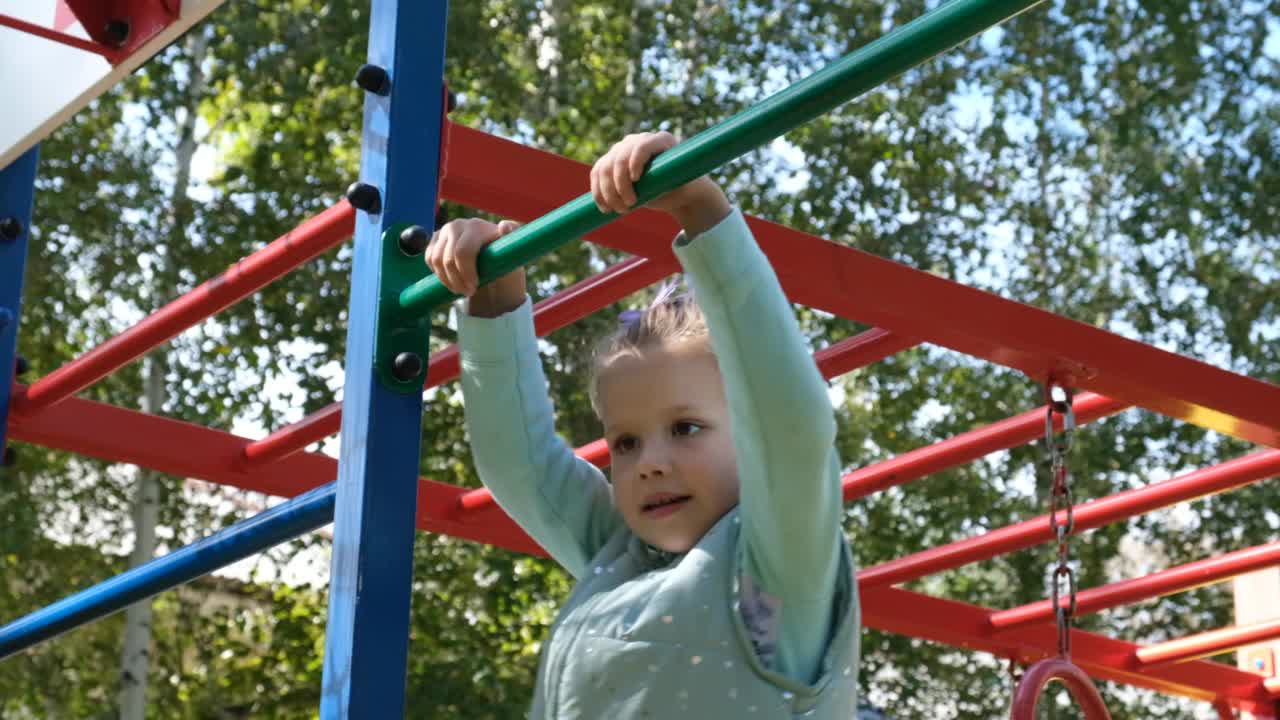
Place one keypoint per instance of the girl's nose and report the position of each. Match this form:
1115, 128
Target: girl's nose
655, 461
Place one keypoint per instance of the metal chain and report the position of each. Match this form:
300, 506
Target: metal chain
1061, 510
1015, 673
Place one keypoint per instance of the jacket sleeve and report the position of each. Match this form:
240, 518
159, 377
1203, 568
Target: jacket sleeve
561, 500
784, 436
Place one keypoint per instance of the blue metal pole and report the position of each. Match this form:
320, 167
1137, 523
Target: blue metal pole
17, 190
281, 523
366, 648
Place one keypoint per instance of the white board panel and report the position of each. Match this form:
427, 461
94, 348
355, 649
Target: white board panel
43, 82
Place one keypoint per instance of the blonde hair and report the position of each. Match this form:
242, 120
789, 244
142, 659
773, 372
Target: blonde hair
672, 316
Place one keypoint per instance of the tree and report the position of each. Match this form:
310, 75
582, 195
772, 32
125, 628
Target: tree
1110, 164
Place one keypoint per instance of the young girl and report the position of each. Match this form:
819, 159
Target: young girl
714, 580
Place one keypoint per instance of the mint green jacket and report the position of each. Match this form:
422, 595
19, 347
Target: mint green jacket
760, 618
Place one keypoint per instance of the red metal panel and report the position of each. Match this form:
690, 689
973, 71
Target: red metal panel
1208, 644
885, 294
964, 625
120, 435
124, 25
308, 240
1165, 582
557, 311
1216, 479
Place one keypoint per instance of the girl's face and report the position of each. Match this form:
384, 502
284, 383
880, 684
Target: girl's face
667, 423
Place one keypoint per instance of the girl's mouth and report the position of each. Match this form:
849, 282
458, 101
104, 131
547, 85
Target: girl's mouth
665, 506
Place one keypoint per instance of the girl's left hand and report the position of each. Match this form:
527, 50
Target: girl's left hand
614, 175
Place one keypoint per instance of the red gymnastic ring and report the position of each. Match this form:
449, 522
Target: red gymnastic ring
1027, 696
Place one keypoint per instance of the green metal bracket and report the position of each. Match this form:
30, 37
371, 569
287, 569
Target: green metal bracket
402, 340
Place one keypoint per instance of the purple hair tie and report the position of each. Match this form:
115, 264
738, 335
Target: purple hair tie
629, 317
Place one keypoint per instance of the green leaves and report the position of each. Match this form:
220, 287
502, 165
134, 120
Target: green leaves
1114, 164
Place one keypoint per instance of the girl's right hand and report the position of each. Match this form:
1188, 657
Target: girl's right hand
452, 257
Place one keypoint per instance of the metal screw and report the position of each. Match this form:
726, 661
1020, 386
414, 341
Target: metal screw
10, 228
414, 240
406, 366
366, 197
116, 31
374, 79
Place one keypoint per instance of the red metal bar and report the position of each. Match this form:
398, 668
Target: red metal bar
308, 240
859, 351
1216, 479
970, 446
1208, 644
596, 453
965, 626
884, 294
1174, 580
862, 349
120, 435
557, 311
327, 421
112, 55
1027, 696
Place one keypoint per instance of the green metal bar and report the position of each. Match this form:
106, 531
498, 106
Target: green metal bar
856, 73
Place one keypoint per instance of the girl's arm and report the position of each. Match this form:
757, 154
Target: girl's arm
784, 436
562, 501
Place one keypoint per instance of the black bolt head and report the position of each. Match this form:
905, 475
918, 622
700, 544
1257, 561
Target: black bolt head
374, 79
20, 366
406, 366
414, 239
366, 197
116, 31
10, 228
10, 457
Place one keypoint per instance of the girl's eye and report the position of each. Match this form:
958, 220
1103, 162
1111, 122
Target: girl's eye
623, 445
685, 427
